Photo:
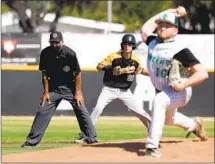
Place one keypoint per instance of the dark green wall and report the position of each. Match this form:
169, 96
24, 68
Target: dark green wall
21, 93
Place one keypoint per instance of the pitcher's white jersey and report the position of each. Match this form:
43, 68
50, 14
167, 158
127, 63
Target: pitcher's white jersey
167, 102
159, 60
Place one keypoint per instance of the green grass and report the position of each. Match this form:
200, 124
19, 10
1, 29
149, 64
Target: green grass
63, 130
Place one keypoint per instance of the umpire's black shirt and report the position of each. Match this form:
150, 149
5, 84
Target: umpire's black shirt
61, 67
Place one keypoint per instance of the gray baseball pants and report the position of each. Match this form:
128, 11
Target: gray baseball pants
125, 95
45, 113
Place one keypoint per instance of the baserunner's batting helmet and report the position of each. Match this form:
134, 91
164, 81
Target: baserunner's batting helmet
128, 38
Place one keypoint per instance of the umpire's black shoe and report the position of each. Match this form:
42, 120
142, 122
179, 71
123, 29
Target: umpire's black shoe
28, 145
91, 142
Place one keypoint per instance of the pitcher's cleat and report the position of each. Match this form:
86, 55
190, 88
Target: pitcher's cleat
199, 131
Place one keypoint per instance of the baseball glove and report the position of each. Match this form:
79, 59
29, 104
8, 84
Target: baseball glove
118, 70
178, 73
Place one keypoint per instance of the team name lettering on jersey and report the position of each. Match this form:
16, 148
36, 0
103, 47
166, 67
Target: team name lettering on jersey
159, 61
125, 80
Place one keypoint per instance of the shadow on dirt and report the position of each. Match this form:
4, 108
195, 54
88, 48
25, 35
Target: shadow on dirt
135, 147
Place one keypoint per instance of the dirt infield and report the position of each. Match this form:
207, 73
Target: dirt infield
172, 149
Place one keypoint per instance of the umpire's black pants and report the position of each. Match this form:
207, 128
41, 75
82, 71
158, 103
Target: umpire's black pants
45, 113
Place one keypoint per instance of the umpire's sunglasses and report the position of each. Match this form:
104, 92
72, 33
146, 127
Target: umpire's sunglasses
54, 42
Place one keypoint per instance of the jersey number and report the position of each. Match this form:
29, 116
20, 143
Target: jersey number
161, 72
130, 77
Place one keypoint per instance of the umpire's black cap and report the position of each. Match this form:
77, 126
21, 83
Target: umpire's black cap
56, 36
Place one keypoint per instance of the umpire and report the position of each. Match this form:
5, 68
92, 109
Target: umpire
61, 78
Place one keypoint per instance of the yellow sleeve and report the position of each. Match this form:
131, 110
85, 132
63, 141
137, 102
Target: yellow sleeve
139, 68
108, 60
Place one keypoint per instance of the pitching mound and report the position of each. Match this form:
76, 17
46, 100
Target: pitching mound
172, 149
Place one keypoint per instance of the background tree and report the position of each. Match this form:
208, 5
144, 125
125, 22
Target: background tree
38, 9
26, 22
200, 15
59, 5
130, 13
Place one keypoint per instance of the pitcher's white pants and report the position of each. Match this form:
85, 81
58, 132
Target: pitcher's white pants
108, 94
164, 111
144, 90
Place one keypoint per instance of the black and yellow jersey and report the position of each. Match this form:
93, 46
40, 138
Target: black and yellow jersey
122, 81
